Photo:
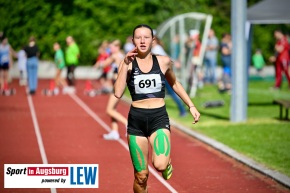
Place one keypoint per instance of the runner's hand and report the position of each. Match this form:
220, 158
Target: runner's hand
196, 115
130, 56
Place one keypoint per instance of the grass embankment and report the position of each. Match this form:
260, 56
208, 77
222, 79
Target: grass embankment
263, 137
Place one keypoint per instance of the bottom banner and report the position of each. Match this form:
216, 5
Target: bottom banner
51, 176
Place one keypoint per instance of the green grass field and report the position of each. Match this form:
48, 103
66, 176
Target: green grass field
263, 137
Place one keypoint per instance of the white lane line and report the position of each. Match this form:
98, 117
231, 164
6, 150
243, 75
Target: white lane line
38, 135
37, 130
121, 141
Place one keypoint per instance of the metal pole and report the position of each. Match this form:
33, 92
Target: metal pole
207, 27
239, 62
182, 52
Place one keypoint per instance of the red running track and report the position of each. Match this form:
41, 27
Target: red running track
71, 128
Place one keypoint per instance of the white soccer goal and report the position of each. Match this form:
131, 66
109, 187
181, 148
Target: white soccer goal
174, 33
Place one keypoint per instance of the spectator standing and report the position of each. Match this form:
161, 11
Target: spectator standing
210, 59
6, 53
175, 48
288, 38
103, 54
60, 65
226, 52
32, 53
258, 61
72, 55
22, 60
175, 51
195, 79
282, 58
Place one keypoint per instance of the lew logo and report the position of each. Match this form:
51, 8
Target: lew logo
83, 175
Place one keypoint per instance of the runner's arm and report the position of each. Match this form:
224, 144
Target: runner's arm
120, 84
179, 90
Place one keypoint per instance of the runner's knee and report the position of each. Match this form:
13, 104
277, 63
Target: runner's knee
142, 177
160, 165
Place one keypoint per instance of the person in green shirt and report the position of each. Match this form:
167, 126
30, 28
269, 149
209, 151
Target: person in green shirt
60, 64
258, 61
72, 55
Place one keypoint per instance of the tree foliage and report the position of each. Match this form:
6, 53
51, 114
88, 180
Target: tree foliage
92, 21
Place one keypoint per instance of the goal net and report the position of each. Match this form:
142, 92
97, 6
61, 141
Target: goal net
180, 36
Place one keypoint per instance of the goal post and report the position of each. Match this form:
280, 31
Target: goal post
174, 33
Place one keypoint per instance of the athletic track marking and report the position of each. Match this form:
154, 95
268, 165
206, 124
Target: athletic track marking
122, 142
38, 135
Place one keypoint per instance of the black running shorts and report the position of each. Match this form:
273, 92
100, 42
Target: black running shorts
4, 66
144, 122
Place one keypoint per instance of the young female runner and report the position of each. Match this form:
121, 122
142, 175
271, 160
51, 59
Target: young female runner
145, 74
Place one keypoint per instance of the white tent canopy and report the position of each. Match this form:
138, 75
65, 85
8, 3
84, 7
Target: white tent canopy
269, 12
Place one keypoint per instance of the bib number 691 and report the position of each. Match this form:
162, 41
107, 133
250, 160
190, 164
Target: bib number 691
147, 83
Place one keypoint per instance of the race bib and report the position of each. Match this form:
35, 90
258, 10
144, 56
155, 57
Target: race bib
147, 83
